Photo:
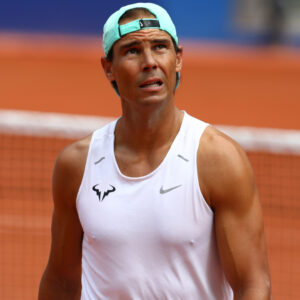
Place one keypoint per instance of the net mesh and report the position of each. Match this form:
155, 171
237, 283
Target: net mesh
25, 211
27, 157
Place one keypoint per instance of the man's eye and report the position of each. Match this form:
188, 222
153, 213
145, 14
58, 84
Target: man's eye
132, 51
160, 46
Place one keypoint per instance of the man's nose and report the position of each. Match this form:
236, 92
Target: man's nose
149, 61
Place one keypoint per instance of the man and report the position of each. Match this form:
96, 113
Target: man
156, 205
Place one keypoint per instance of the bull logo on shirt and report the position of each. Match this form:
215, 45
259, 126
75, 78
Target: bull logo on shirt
102, 194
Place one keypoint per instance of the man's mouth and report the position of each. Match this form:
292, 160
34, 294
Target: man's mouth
151, 83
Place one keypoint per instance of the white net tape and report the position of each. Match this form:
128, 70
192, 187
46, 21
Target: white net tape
77, 126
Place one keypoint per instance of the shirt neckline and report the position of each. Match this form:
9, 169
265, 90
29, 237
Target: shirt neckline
139, 178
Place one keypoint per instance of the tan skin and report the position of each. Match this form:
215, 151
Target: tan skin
144, 134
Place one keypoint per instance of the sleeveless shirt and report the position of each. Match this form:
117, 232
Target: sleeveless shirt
149, 237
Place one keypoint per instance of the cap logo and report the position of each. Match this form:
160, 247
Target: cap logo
146, 23
138, 25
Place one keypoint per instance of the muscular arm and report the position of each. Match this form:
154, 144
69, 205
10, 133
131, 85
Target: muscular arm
227, 180
62, 277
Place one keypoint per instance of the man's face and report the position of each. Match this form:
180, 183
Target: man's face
144, 66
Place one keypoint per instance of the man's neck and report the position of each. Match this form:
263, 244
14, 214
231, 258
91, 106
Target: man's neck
147, 131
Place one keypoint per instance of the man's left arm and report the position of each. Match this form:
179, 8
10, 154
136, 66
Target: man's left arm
233, 196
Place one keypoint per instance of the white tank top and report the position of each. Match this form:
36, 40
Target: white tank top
149, 237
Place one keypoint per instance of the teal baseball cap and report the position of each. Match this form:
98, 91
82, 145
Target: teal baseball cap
113, 31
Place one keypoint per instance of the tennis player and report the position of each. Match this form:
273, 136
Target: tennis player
157, 204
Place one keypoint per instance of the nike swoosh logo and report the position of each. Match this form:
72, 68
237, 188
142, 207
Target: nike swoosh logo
164, 191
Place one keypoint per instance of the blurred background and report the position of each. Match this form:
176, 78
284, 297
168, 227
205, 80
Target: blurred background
241, 73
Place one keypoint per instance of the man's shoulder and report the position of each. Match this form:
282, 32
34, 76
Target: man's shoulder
222, 163
71, 160
75, 152
68, 171
216, 145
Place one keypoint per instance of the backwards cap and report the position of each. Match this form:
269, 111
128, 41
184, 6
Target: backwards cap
112, 31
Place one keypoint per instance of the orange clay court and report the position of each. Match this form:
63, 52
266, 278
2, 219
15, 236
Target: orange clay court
220, 84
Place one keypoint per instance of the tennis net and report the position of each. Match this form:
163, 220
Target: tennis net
29, 144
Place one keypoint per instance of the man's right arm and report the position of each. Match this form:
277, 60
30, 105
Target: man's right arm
62, 276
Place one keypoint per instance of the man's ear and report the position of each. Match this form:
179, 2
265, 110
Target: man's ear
179, 59
107, 67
